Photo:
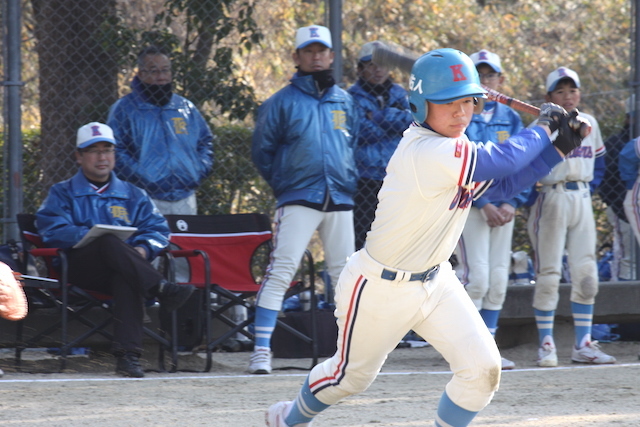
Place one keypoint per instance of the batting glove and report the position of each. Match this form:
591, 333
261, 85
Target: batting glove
551, 115
571, 131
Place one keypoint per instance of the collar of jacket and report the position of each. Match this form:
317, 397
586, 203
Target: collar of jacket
308, 85
81, 187
136, 90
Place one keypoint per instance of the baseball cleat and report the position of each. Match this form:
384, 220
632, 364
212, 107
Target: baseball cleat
547, 356
507, 364
277, 413
13, 301
260, 362
591, 353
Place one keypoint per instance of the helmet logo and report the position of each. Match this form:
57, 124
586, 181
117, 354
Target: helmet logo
458, 75
415, 86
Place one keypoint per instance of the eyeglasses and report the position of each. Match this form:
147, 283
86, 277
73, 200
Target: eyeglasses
97, 152
156, 72
489, 76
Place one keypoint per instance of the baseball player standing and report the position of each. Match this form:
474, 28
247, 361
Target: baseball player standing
401, 280
562, 218
484, 249
303, 145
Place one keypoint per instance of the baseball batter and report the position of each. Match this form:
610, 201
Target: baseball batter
401, 280
562, 218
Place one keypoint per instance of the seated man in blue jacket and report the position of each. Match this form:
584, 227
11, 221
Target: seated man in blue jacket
108, 264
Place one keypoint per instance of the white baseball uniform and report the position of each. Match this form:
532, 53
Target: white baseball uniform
402, 280
562, 218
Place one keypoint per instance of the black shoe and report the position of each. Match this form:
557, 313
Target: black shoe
128, 365
173, 296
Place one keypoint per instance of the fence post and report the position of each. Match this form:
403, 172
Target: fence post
13, 136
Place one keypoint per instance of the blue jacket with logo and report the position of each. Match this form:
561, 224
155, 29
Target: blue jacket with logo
504, 123
379, 135
304, 141
167, 151
73, 207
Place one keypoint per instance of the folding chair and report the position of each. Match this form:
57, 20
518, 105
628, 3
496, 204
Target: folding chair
227, 256
70, 302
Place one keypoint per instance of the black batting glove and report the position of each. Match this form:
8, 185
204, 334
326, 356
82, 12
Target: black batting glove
551, 115
571, 132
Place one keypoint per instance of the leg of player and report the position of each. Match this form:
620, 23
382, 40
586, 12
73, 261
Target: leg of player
294, 226
581, 244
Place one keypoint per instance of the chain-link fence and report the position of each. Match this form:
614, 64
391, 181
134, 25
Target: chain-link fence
80, 57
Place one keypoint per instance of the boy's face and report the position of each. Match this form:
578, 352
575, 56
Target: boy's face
313, 57
489, 77
451, 119
566, 95
373, 73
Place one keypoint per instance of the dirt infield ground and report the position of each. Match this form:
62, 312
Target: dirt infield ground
405, 394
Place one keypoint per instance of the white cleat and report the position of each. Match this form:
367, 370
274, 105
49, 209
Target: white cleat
260, 362
547, 356
591, 353
277, 413
507, 364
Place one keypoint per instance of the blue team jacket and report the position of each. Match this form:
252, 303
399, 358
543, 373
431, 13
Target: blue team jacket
73, 207
166, 150
628, 162
379, 136
504, 123
304, 142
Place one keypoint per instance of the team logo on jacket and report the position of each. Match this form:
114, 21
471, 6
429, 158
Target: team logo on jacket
120, 212
339, 119
180, 126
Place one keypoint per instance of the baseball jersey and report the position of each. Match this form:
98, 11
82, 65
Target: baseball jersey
426, 195
422, 221
579, 164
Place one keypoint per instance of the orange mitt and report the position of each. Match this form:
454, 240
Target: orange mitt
13, 301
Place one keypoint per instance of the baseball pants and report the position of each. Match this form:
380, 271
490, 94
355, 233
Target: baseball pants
374, 314
559, 219
484, 254
294, 227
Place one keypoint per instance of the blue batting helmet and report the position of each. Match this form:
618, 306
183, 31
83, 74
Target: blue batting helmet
442, 76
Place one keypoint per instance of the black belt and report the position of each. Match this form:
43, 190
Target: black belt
569, 185
423, 276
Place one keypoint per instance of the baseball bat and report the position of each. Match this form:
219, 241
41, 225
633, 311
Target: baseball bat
404, 61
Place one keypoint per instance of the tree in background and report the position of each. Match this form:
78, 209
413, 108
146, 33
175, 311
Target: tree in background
77, 77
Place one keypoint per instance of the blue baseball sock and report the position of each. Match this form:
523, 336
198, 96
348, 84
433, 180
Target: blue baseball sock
305, 407
490, 318
582, 320
265, 323
450, 414
544, 322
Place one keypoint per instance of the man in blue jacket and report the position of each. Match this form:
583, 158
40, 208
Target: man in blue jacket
164, 144
107, 264
384, 116
303, 146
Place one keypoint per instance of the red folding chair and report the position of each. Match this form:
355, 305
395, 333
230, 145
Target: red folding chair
227, 256
70, 301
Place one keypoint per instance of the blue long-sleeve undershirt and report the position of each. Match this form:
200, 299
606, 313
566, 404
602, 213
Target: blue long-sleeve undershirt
515, 164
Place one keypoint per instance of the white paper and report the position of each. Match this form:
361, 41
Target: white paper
122, 231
